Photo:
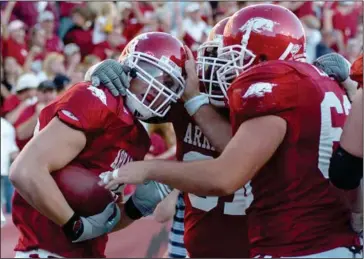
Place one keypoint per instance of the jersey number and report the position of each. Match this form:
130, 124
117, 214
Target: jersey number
241, 201
330, 134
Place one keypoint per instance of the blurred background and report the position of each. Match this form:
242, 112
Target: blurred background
47, 46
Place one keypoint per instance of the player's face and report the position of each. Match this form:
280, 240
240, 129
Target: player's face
153, 86
209, 70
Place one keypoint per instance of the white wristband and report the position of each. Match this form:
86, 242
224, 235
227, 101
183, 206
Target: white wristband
195, 103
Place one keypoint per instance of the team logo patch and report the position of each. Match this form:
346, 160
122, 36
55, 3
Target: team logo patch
98, 93
69, 115
259, 89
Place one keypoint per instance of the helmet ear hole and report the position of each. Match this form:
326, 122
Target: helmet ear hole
263, 58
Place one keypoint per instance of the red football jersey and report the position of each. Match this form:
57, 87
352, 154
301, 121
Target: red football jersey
295, 210
214, 226
114, 138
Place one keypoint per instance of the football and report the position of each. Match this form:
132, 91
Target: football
81, 190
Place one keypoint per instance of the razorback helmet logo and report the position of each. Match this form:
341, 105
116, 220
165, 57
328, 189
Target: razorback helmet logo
257, 25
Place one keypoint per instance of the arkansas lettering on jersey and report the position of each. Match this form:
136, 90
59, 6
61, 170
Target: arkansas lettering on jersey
214, 226
114, 138
295, 211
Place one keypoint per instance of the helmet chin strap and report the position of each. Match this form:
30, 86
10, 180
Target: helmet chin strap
137, 109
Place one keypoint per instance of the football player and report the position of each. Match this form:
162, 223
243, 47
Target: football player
196, 140
286, 117
346, 167
202, 132
87, 126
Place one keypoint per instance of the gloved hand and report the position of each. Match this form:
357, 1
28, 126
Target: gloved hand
79, 229
334, 65
113, 75
147, 196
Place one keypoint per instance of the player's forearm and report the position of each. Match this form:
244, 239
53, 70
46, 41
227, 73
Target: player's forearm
35, 184
199, 177
352, 136
216, 128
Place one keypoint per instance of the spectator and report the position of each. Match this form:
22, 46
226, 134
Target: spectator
5, 90
114, 43
78, 74
9, 150
328, 39
341, 17
105, 12
195, 29
163, 17
37, 53
65, 9
225, 9
73, 57
174, 17
25, 124
28, 11
12, 71
62, 82
140, 16
91, 60
81, 32
25, 95
53, 64
163, 141
14, 45
53, 42
305, 11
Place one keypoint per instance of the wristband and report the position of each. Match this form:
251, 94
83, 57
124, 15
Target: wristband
131, 211
195, 103
73, 229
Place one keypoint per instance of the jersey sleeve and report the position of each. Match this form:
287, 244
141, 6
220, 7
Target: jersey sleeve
266, 90
84, 108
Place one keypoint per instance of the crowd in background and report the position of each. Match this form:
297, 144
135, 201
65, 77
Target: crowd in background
48, 46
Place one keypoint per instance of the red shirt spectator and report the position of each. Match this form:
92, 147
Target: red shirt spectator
65, 8
10, 104
28, 12
104, 50
114, 43
305, 9
53, 42
15, 45
81, 33
25, 92
133, 25
81, 37
345, 18
46, 93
